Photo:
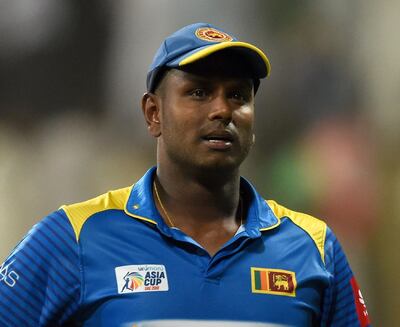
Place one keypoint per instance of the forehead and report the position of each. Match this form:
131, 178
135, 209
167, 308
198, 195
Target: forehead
180, 77
215, 68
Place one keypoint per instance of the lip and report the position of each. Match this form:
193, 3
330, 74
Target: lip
219, 140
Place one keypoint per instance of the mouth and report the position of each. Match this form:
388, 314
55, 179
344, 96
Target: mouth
219, 140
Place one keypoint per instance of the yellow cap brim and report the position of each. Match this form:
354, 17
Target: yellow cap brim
224, 45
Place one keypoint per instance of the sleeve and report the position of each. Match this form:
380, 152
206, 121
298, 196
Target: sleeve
343, 304
40, 280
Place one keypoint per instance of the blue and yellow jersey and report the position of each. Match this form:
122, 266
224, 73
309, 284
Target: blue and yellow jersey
112, 261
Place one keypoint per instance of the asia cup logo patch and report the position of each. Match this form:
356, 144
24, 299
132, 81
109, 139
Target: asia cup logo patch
141, 278
212, 35
273, 281
133, 280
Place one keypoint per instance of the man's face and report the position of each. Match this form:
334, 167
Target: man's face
206, 117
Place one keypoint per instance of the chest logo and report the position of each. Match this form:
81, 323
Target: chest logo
141, 278
273, 281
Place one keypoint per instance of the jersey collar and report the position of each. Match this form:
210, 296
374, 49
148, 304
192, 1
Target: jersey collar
140, 205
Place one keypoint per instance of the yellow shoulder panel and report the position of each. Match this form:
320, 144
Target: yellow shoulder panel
78, 213
312, 226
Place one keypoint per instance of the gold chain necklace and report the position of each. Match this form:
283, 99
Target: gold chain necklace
162, 206
170, 219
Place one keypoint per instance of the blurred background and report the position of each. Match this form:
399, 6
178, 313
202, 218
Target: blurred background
72, 74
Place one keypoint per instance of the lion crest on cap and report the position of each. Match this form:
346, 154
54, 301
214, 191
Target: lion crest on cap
212, 35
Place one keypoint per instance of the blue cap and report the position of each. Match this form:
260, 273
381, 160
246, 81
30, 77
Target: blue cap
197, 41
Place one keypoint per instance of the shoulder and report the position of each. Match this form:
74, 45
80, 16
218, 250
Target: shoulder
314, 227
40, 279
78, 213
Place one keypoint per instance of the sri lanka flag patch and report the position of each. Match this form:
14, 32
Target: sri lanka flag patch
273, 281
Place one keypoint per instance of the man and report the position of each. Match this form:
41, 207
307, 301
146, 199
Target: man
191, 243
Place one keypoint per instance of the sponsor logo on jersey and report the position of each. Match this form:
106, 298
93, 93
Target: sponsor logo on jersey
141, 278
212, 35
8, 275
360, 304
273, 281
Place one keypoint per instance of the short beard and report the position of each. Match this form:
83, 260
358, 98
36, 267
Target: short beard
208, 171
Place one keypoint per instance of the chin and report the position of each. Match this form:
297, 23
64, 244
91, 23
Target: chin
222, 162
220, 165
209, 163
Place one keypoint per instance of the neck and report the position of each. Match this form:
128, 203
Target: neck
198, 196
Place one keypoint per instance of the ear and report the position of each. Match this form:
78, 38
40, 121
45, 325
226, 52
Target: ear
151, 112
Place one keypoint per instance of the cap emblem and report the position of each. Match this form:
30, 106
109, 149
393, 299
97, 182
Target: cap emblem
212, 35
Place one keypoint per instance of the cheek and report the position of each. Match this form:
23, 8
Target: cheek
245, 118
177, 123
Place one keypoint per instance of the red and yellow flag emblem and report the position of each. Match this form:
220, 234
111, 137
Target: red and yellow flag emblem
273, 281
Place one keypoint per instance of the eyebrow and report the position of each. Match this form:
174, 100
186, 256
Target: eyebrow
195, 78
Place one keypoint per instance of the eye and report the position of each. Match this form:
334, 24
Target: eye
239, 96
198, 93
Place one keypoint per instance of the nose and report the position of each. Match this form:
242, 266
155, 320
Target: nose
220, 109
